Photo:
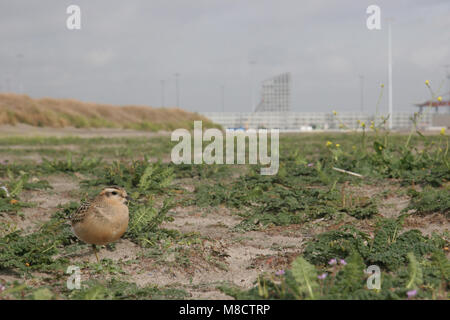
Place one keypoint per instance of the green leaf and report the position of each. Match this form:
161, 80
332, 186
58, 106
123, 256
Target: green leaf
440, 260
145, 181
17, 188
352, 276
414, 271
306, 276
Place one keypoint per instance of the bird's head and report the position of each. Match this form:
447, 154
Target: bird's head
115, 193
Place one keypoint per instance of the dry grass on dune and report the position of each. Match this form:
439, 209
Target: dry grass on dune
58, 113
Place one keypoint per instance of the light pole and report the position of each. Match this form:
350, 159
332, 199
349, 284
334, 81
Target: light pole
361, 82
162, 93
19, 76
252, 87
391, 115
222, 96
177, 88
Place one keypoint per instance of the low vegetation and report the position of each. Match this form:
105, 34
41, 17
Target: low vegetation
59, 113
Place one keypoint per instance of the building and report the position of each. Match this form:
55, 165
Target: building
276, 94
437, 105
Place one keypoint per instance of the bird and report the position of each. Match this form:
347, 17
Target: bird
102, 220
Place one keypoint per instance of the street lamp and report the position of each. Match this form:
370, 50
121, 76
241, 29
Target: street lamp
222, 96
361, 81
162, 93
391, 115
252, 88
177, 88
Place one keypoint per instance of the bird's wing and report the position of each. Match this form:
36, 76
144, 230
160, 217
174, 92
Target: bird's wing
80, 213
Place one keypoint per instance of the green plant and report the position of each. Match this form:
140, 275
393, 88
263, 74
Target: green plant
144, 221
69, 165
389, 247
139, 178
120, 290
10, 201
414, 271
306, 277
313, 277
24, 253
429, 201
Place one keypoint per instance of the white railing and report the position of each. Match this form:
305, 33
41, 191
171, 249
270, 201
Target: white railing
307, 120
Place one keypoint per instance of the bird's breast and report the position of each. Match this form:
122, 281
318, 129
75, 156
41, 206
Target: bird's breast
103, 226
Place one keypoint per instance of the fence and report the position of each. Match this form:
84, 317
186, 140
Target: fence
308, 121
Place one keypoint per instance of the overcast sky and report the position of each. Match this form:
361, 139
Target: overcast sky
125, 48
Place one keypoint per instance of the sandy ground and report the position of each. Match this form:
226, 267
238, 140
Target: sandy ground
244, 255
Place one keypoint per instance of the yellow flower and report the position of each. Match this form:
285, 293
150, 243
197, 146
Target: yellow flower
363, 124
442, 131
382, 85
334, 112
337, 145
329, 143
439, 98
427, 82
13, 201
380, 147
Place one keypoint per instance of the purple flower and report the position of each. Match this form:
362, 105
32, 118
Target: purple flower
342, 261
2, 288
322, 276
411, 293
332, 262
310, 164
279, 272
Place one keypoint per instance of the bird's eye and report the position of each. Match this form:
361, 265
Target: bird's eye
114, 193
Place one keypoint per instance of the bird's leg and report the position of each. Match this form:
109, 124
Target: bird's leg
95, 251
